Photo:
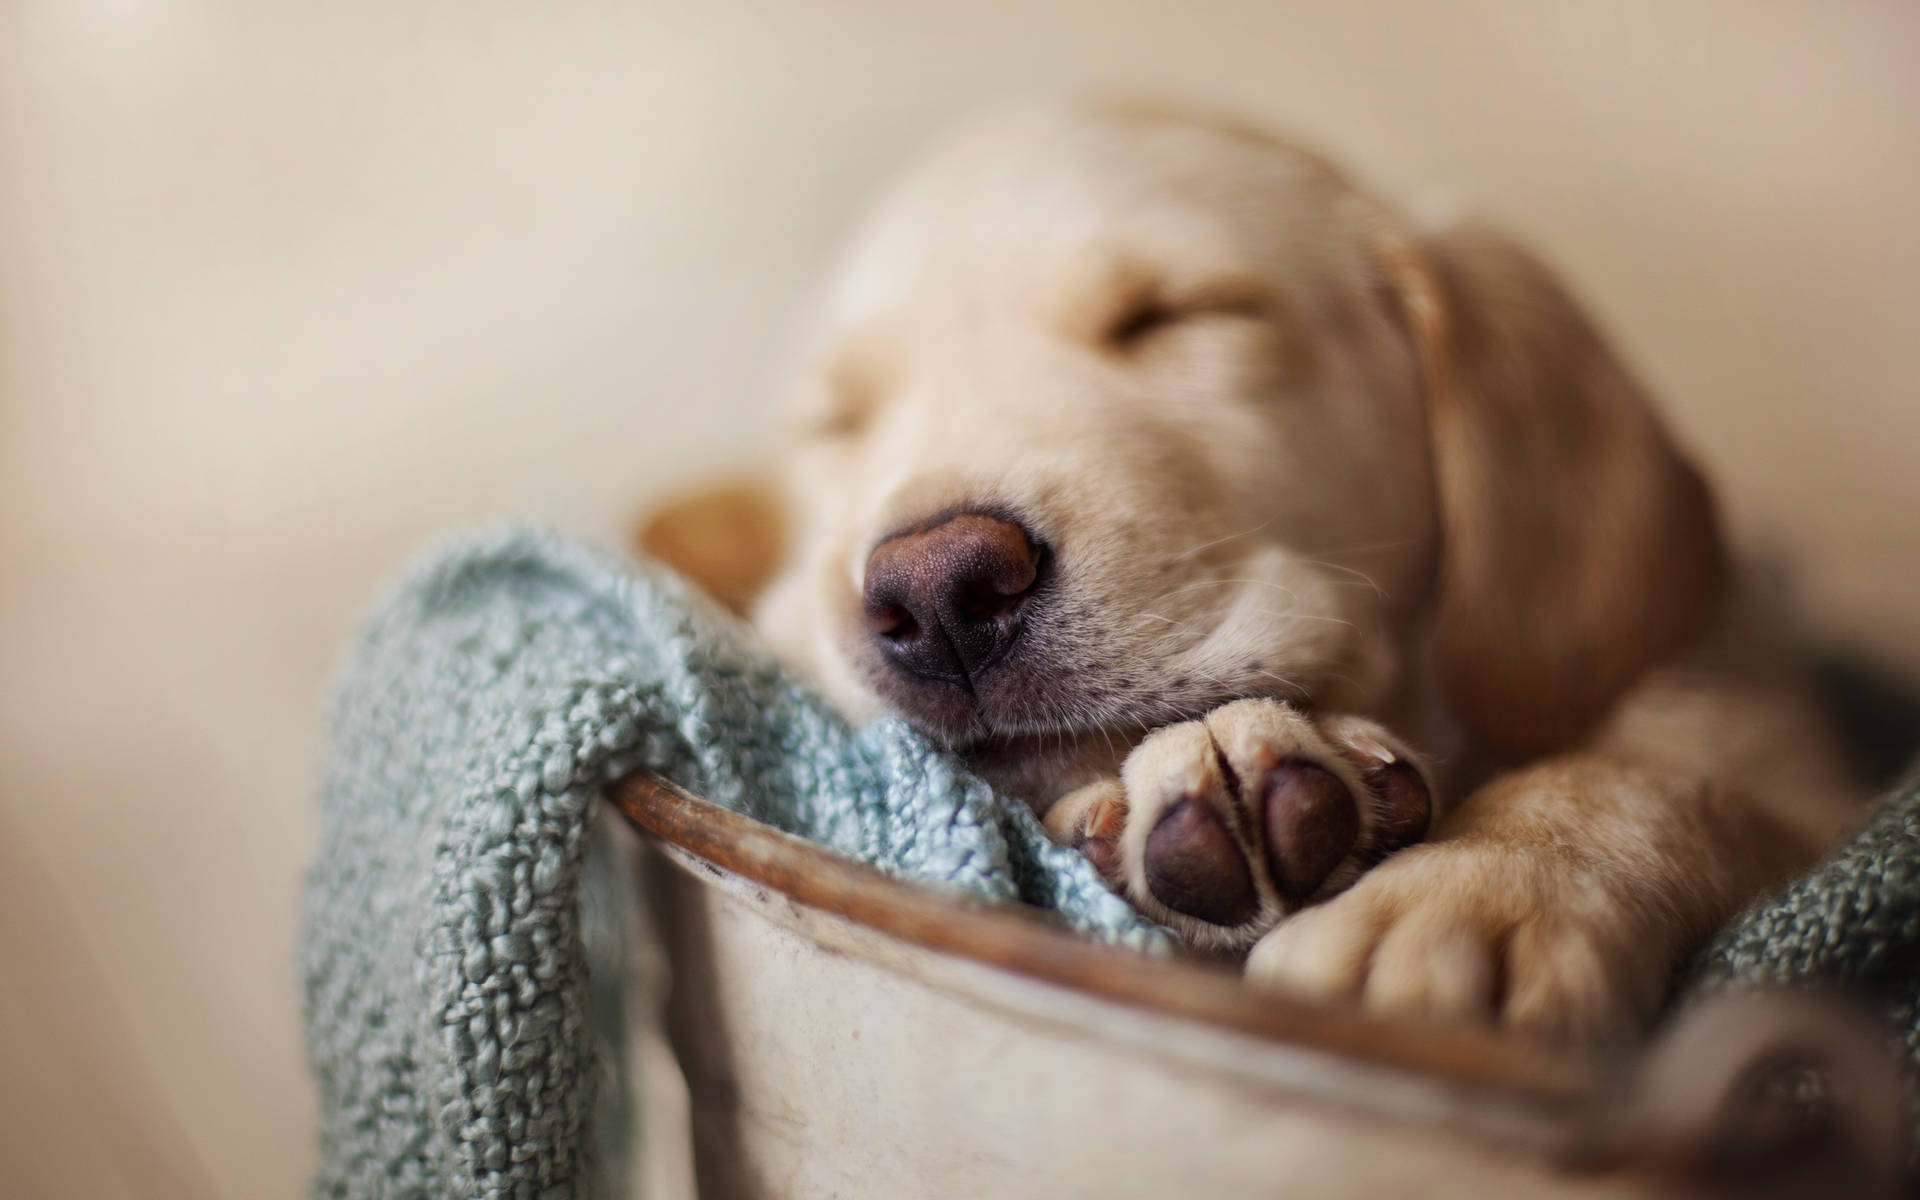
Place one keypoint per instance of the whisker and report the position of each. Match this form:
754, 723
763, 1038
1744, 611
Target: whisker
1298, 689
1362, 576
1301, 616
1186, 554
1201, 583
1365, 547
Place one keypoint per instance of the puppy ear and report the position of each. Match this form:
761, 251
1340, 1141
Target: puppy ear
727, 537
1578, 546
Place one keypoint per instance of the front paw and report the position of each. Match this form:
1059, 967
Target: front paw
1221, 827
1519, 936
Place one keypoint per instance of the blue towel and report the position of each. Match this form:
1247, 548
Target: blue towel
447, 961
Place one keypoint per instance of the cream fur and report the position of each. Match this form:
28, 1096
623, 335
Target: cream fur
1250, 500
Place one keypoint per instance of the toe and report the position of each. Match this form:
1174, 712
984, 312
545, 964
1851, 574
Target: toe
1102, 853
1090, 819
1311, 824
1192, 865
1322, 952
1435, 968
1405, 806
1560, 984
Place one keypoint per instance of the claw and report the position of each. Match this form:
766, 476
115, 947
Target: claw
1102, 853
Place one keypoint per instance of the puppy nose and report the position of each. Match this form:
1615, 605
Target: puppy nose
945, 602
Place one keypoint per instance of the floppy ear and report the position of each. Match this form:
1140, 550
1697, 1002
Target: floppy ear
728, 537
1578, 546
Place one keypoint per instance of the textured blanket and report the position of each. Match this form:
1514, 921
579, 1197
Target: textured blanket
1854, 922
457, 918
447, 971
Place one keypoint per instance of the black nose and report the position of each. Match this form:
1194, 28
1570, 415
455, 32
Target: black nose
946, 602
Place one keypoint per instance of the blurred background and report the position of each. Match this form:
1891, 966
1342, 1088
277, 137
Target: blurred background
289, 291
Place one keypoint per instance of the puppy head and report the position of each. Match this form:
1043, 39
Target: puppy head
1116, 415
1106, 426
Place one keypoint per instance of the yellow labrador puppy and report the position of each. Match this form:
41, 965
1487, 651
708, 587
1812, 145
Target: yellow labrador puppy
1328, 580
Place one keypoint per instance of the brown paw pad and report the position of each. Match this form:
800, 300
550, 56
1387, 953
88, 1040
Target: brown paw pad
1194, 867
1311, 825
1406, 807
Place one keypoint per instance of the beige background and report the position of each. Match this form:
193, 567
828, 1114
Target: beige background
288, 290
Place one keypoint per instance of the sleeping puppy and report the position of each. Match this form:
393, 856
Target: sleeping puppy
1327, 580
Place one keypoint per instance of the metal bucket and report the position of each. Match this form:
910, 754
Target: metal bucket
844, 1034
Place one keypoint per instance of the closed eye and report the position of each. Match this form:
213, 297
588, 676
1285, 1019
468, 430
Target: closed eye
1148, 318
843, 420
834, 412
849, 389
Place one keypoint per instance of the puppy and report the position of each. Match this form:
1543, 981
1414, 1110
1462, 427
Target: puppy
1328, 580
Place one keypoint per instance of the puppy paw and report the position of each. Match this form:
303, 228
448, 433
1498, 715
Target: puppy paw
1472, 932
1221, 827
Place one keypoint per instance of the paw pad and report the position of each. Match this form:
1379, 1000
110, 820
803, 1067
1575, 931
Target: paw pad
1405, 807
1311, 825
1193, 866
